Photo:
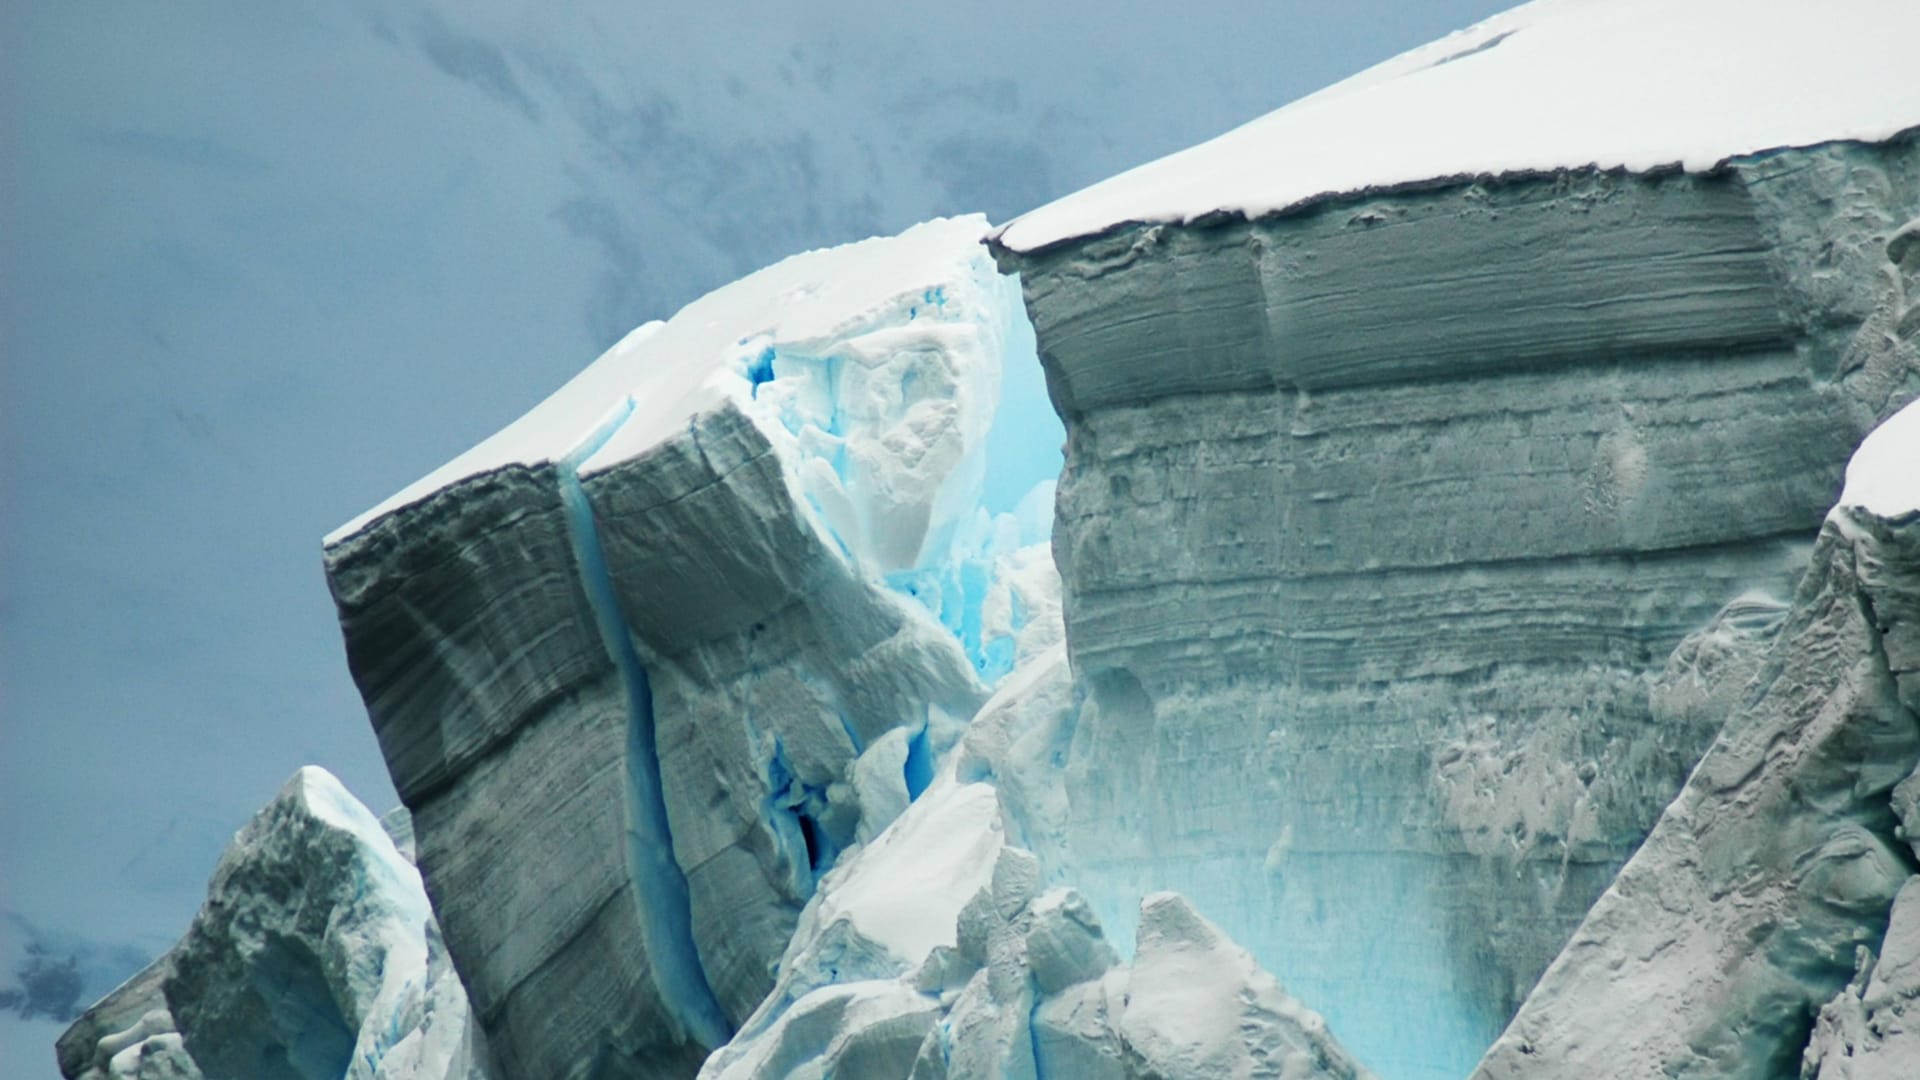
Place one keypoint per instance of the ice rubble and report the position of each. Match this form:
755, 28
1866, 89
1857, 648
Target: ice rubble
945, 948
315, 958
1554, 84
940, 952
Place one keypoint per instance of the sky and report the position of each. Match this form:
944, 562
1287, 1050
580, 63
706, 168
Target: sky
262, 265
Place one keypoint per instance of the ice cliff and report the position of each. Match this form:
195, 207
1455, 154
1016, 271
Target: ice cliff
1455, 612
648, 661
1385, 504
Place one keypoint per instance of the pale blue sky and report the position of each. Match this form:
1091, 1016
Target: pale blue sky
263, 264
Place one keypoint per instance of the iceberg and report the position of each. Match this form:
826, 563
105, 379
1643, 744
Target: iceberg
1472, 613
1410, 430
315, 957
1381, 517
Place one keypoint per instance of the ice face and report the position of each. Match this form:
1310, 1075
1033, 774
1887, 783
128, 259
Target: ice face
1380, 519
748, 556
666, 918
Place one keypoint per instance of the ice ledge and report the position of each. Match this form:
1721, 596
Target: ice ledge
1633, 84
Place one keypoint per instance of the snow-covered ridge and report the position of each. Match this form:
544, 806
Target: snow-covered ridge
875, 370
1635, 84
767, 336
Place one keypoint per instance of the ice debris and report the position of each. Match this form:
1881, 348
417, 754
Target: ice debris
889, 976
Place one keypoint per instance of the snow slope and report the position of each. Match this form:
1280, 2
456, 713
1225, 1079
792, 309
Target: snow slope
1637, 84
875, 450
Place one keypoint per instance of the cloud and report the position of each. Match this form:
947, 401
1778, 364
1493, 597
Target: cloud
53, 976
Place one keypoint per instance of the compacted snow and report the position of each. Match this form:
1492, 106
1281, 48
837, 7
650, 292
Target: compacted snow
1884, 476
1613, 83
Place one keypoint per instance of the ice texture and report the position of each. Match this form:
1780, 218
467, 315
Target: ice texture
1871, 1028
648, 663
314, 958
1380, 520
1771, 879
1438, 452
1550, 85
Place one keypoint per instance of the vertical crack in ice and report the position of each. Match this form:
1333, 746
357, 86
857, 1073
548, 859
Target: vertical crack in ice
666, 911
1033, 1029
917, 771
760, 370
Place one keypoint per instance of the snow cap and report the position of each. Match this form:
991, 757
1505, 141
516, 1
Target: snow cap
1548, 85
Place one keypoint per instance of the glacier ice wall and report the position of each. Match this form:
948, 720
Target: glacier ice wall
645, 663
1380, 518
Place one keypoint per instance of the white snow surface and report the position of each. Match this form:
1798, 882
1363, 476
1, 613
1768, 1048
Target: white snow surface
1552, 84
1883, 477
669, 371
905, 890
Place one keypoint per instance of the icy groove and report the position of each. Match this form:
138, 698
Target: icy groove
659, 884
